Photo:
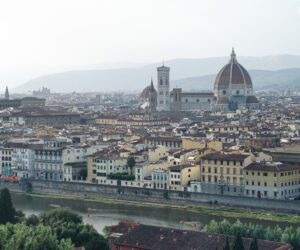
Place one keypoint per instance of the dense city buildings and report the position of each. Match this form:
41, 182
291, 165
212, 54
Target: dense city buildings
223, 143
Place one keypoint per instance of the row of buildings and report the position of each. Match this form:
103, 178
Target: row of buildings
195, 166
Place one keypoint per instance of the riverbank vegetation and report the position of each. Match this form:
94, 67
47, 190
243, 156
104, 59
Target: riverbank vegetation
289, 234
56, 229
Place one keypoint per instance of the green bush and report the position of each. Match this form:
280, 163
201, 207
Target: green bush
121, 176
289, 234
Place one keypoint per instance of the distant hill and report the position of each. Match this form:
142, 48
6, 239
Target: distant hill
262, 79
187, 73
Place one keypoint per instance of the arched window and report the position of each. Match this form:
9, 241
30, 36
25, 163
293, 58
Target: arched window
224, 92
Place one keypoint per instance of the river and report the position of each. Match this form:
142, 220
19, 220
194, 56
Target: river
101, 214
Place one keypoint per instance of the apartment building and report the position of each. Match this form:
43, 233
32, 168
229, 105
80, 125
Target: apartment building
224, 173
103, 163
48, 160
272, 180
180, 176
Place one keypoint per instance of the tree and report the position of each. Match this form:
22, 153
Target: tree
20, 236
7, 210
227, 246
238, 242
67, 224
131, 163
253, 244
58, 216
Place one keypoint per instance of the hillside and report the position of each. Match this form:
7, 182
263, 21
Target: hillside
187, 73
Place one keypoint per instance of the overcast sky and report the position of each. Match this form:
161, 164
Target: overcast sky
36, 33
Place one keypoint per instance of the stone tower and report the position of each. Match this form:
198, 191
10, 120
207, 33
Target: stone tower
6, 94
163, 88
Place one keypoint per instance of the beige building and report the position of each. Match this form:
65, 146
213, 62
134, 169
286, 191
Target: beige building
272, 180
180, 176
223, 173
101, 165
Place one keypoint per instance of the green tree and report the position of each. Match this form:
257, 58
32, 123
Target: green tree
67, 224
20, 236
7, 210
131, 163
227, 246
253, 244
58, 216
238, 242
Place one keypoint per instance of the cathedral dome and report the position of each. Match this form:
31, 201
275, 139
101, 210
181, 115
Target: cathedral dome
233, 73
147, 92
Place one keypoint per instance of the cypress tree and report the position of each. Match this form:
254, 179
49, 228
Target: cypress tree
227, 247
253, 244
7, 210
238, 242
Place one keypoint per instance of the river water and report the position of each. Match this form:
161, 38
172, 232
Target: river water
101, 214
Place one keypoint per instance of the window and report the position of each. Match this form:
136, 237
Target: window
265, 174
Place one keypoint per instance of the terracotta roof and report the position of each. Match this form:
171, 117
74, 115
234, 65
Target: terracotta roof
271, 167
224, 157
158, 238
233, 73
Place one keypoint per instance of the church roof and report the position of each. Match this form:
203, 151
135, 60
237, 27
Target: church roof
146, 92
233, 73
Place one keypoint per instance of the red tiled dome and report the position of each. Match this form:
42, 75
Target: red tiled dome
233, 73
147, 91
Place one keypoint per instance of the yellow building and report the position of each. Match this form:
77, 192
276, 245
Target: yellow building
223, 173
272, 180
102, 164
180, 176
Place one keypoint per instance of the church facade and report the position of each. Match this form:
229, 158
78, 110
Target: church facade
232, 90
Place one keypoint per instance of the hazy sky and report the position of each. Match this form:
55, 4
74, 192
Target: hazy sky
36, 33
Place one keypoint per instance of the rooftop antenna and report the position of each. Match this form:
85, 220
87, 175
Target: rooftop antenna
163, 61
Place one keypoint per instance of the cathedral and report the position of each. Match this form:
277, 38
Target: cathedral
232, 90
